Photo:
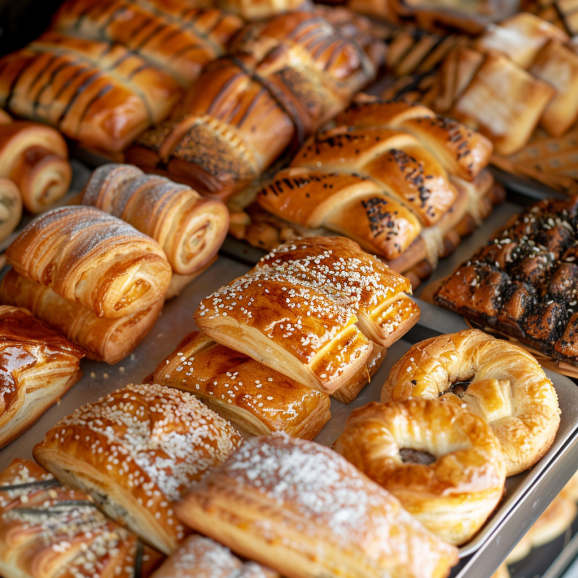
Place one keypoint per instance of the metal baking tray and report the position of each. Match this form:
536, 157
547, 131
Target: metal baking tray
177, 320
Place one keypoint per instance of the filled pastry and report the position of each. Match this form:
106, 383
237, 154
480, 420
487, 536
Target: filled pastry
284, 77
256, 399
85, 255
181, 44
524, 282
50, 531
498, 381
135, 451
199, 557
442, 463
103, 339
310, 310
37, 366
189, 229
35, 158
300, 508
96, 93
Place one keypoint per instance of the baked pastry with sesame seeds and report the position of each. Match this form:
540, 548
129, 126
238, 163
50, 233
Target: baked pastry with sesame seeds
103, 339
135, 451
302, 509
444, 464
253, 397
200, 557
189, 229
88, 256
495, 380
37, 366
50, 531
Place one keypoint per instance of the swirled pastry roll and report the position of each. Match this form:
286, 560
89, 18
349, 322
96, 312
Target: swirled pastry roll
95, 259
97, 93
180, 46
339, 268
10, 207
492, 378
303, 510
35, 157
135, 451
256, 399
200, 557
37, 366
189, 229
103, 339
50, 531
462, 151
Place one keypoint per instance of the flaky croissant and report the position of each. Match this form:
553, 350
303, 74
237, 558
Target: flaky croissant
95, 259
189, 229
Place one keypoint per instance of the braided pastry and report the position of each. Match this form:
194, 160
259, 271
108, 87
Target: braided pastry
303, 510
88, 256
109, 340
442, 463
37, 366
498, 381
189, 229
50, 531
35, 157
136, 450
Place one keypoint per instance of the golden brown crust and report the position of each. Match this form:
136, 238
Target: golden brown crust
134, 451
189, 229
503, 384
99, 94
10, 207
303, 510
109, 340
95, 259
256, 399
458, 485
49, 530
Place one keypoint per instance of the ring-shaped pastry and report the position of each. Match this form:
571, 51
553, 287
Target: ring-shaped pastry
442, 463
492, 378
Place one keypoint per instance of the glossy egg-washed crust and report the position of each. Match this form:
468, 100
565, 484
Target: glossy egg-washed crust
505, 386
37, 366
97, 93
283, 79
454, 494
255, 398
48, 530
524, 282
189, 229
103, 339
85, 255
136, 450
181, 46
303, 510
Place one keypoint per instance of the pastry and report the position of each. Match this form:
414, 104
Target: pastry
135, 451
254, 398
442, 463
189, 229
96, 93
297, 311
524, 282
180, 46
35, 157
303, 510
85, 255
284, 78
50, 531
37, 367
199, 557
103, 339
495, 380
10, 207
